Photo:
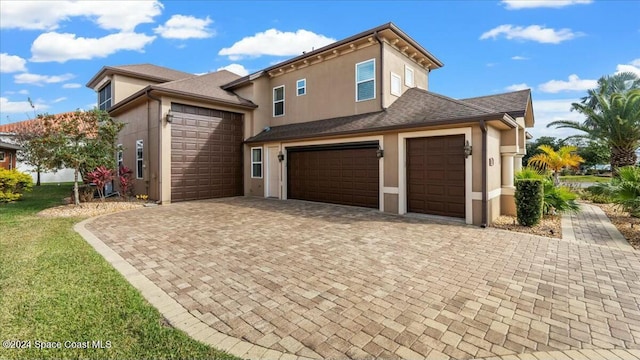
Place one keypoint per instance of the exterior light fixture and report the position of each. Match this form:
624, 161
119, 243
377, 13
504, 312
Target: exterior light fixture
169, 116
280, 156
380, 153
467, 149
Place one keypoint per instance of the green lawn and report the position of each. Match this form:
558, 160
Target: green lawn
584, 178
54, 288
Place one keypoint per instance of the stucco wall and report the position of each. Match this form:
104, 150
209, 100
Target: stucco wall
124, 86
395, 61
494, 172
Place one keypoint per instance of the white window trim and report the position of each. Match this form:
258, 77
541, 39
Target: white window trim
2, 156
301, 87
108, 99
257, 162
406, 78
119, 158
139, 145
363, 81
274, 100
399, 78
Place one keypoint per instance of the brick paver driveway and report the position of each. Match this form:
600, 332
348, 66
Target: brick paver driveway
329, 281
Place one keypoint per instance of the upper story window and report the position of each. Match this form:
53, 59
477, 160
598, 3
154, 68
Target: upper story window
396, 84
301, 87
278, 101
366, 80
104, 97
408, 76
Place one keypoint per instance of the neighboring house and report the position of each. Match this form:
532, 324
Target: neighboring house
8, 155
8, 135
350, 123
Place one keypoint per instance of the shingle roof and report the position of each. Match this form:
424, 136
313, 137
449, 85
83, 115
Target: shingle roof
512, 103
414, 108
4, 145
207, 85
147, 71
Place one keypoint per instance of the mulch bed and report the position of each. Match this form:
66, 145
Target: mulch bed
627, 225
93, 208
549, 226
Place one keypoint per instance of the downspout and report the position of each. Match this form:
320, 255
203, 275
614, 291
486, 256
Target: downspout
375, 34
483, 127
148, 94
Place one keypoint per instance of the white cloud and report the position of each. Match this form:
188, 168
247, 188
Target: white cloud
19, 107
632, 67
59, 47
532, 32
236, 69
518, 57
546, 111
47, 15
12, 63
41, 80
529, 4
60, 99
23, 92
276, 43
573, 84
517, 87
185, 27
71, 86
635, 62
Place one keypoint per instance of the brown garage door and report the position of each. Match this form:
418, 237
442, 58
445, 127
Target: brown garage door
435, 175
345, 174
206, 153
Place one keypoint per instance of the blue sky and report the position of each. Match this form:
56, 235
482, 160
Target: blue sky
50, 49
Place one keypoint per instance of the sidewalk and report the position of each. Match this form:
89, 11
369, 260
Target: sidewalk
592, 226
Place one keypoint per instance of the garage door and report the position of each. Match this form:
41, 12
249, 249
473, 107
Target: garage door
206, 153
435, 175
345, 174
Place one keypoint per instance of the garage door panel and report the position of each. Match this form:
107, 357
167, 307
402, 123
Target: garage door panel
206, 159
436, 175
342, 175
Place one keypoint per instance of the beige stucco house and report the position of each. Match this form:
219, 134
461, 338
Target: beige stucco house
351, 123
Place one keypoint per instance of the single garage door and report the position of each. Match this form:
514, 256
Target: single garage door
339, 174
206, 153
435, 175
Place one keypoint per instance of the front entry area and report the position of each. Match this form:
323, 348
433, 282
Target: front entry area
436, 175
346, 174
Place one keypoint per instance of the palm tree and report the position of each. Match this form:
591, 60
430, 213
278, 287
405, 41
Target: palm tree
615, 120
607, 85
556, 160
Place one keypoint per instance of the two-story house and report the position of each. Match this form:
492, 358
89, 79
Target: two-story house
350, 123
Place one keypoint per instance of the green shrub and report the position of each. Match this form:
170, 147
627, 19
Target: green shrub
13, 183
627, 189
529, 196
556, 199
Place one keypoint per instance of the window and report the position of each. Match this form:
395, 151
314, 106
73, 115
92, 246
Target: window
301, 87
119, 159
104, 97
278, 101
366, 80
256, 162
2, 156
396, 84
408, 76
139, 157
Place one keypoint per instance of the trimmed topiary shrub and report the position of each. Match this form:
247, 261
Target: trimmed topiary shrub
529, 198
13, 183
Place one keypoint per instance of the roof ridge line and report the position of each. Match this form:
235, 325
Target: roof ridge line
459, 102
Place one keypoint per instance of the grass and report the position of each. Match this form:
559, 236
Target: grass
54, 287
584, 178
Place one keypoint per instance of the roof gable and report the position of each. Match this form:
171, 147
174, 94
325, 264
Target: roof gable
143, 71
513, 103
207, 85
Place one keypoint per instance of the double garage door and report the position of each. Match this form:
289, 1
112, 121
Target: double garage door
349, 174
206, 153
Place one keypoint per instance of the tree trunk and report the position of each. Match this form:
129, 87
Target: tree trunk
38, 176
622, 157
556, 178
75, 187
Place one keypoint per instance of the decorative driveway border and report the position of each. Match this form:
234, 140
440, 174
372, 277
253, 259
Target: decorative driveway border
478, 293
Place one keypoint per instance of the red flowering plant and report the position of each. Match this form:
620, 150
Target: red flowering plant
126, 181
100, 176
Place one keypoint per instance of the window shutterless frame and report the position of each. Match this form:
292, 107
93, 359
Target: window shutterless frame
104, 97
396, 84
409, 79
366, 80
278, 101
139, 159
256, 162
301, 87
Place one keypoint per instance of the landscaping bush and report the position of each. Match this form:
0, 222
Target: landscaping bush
529, 196
623, 190
126, 181
13, 183
86, 192
556, 199
100, 177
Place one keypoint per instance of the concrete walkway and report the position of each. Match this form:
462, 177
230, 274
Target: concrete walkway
264, 279
592, 226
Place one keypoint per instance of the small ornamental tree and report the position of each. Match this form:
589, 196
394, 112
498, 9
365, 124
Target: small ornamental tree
126, 181
36, 149
100, 176
82, 141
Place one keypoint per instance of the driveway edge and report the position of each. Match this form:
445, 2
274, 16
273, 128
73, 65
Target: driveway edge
175, 313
